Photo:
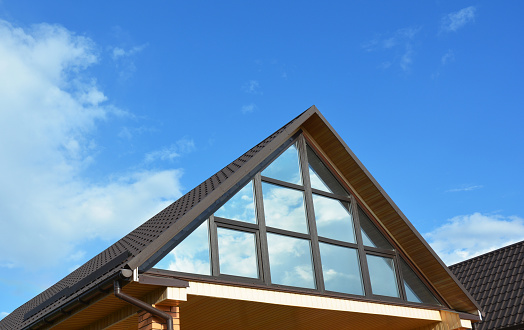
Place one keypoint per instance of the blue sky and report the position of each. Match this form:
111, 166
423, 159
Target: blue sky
110, 111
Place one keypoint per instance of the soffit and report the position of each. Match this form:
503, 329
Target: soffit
112, 308
212, 306
218, 306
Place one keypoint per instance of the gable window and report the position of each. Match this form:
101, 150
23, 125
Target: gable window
290, 261
382, 276
294, 224
341, 269
192, 255
237, 253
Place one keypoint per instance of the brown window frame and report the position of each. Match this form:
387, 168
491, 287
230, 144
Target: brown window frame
260, 230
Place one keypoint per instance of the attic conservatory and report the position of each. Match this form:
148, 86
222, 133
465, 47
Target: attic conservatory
294, 234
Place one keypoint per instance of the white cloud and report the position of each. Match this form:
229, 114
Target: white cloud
120, 52
252, 87
249, 108
3, 314
448, 57
131, 132
124, 60
398, 38
466, 236
456, 20
169, 153
92, 96
465, 188
407, 58
49, 113
400, 43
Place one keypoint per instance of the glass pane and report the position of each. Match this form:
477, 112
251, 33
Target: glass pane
341, 269
286, 167
416, 290
371, 236
284, 208
321, 177
382, 275
290, 261
333, 218
237, 253
191, 255
240, 207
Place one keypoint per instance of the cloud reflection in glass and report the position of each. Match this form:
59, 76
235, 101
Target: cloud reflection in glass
237, 253
290, 261
284, 208
240, 207
191, 255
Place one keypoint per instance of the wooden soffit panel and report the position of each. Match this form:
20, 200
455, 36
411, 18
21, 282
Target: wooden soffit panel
212, 306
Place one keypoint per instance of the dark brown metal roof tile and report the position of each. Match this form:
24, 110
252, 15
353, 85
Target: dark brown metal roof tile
496, 281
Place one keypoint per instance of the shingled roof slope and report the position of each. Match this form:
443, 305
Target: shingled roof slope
109, 262
496, 281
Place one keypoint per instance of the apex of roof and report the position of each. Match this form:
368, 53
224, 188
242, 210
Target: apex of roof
153, 239
496, 280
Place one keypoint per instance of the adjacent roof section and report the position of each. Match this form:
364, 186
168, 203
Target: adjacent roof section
496, 281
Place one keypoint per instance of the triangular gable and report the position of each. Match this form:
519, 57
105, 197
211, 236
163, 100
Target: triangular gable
297, 220
361, 184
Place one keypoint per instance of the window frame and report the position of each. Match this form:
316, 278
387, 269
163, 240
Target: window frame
260, 230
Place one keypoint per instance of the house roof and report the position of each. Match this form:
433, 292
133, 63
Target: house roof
496, 281
153, 239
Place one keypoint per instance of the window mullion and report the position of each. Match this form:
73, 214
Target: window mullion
263, 249
213, 240
310, 213
400, 278
361, 252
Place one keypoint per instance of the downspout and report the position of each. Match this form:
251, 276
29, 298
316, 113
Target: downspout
140, 304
